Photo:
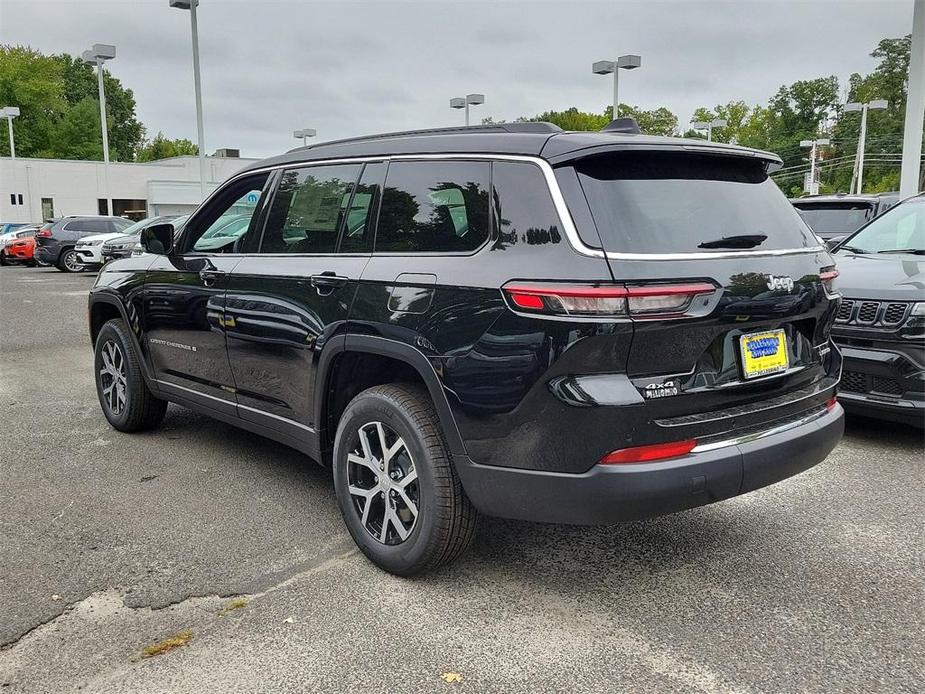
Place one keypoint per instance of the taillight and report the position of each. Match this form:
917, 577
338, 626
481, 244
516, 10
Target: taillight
644, 454
827, 276
644, 301
44, 233
831, 403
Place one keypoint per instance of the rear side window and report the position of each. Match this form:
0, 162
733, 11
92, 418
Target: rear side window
434, 207
96, 226
361, 217
660, 202
308, 209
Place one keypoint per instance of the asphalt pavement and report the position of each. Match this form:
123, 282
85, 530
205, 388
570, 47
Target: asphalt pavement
232, 546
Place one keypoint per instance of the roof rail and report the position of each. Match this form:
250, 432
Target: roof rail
622, 125
518, 127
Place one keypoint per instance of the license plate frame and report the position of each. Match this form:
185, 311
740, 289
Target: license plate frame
758, 365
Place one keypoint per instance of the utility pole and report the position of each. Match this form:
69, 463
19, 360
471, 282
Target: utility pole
915, 107
857, 176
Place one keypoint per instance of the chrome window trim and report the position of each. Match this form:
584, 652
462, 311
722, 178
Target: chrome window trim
565, 217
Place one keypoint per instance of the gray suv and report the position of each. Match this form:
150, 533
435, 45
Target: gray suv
55, 241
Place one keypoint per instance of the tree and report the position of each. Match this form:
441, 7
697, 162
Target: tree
162, 148
659, 121
33, 82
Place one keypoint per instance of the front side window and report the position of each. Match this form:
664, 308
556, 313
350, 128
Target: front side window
227, 218
899, 230
308, 209
358, 230
434, 207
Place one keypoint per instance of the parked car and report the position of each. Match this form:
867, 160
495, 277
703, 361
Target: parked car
56, 240
21, 231
507, 319
124, 245
21, 251
880, 327
7, 227
833, 217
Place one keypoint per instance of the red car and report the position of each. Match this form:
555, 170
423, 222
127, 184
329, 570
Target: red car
21, 251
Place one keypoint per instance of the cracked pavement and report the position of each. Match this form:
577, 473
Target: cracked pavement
110, 543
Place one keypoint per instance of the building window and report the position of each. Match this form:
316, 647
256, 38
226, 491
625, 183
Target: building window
20, 198
102, 206
48, 208
12, 198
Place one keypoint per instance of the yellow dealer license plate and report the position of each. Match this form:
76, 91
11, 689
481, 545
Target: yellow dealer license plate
764, 353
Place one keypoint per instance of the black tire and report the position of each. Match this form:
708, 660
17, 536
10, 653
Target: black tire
69, 261
140, 410
445, 521
3, 260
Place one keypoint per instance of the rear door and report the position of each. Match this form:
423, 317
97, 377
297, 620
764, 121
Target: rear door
291, 296
756, 324
184, 300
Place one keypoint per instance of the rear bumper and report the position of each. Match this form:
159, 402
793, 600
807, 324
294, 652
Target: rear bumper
47, 254
613, 493
884, 384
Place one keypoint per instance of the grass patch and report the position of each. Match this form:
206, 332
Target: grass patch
179, 639
232, 605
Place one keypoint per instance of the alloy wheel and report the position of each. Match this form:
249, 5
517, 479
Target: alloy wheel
113, 377
72, 262
383, 483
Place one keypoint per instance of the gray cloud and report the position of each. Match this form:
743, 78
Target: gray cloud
347, 68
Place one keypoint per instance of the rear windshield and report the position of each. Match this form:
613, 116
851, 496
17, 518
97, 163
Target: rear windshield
843, 217
660, 202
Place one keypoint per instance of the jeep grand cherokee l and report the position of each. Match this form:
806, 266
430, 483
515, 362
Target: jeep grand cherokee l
509, 320
880, 326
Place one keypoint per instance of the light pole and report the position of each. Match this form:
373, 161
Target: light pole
813, 145
605, 67
99, 54
471, 99
194, 26
915, 106
857, 176
708, 125
10, 112
304, 134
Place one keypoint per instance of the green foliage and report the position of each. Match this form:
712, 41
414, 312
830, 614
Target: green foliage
162, 148
659, 121
54, 94
573, 119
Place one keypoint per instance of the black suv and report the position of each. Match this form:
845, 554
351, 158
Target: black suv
880, 327
509, 319
55, 241
833, 217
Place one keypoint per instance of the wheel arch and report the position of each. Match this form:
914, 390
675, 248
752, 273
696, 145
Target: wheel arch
371, 361
103, 307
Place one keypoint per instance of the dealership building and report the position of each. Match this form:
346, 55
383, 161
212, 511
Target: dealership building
33, 190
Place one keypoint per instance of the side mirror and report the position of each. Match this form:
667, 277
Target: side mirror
158, 239
833, 242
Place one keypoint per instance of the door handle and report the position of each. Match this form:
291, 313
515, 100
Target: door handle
210, 277
327, 282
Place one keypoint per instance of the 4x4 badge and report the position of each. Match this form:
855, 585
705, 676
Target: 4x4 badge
660, 390
780, 282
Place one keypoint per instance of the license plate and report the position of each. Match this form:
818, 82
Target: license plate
764, 353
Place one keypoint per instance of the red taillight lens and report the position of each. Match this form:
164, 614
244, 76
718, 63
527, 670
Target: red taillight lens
831, 403
604, 300
643, 454
44, 233
827, 276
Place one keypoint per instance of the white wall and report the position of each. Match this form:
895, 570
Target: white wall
76, 186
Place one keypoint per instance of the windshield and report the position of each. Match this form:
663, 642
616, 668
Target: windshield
842, 217
902, 228
660, 202
136, 227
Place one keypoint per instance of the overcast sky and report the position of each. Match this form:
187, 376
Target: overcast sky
270, 66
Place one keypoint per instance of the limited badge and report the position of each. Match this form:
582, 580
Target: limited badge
660, 390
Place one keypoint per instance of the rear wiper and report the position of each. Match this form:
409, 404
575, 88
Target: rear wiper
739, 241
913, 251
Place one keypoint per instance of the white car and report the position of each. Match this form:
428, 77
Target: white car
89, 248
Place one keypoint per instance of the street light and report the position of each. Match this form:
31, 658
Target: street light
708, 125
813, 188
10, 112
470, 100
605, 67
304, 134
857, 176
191, 6
97, 55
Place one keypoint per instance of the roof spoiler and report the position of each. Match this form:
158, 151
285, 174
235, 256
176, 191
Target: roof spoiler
622, 125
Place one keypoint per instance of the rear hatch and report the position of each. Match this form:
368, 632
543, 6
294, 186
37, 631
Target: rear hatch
836, 217
750, 346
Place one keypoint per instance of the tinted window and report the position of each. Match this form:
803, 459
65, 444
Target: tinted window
227, 217
357, 236
843, 217
434, 206
308, 209
95, 226
526, 214
647, 202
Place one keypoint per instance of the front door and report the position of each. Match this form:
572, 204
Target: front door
291, 298
184, 297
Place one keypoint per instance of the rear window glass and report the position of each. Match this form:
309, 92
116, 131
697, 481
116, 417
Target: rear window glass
843, 217
659, 202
